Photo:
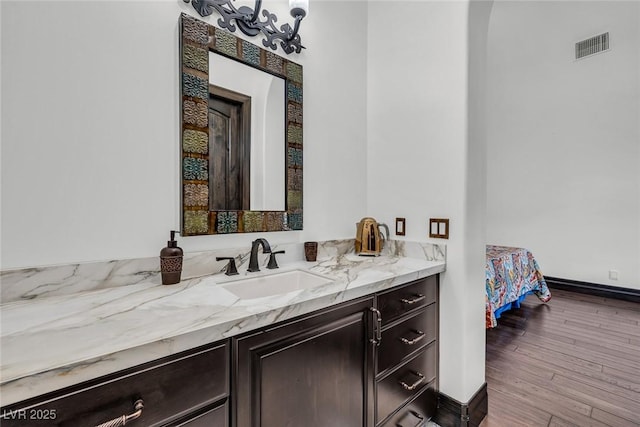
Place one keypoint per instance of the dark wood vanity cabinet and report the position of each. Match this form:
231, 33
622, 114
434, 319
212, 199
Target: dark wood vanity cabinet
370, 362
314, 371
188, 389
407, 358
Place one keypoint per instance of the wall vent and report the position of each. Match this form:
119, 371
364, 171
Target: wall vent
592, 45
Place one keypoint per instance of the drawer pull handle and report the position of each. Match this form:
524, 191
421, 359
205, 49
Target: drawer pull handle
419, 337
415, 414
415, 384
377, 327
123, 420
416, 298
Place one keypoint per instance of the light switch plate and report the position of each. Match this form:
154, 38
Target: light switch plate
439, 228
401, 225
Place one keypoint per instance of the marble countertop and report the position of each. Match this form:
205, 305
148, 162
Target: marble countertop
58, 341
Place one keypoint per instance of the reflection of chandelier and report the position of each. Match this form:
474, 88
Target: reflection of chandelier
248, 21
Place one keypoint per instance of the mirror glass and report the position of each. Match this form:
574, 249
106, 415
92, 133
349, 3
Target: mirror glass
241, 134
267, 136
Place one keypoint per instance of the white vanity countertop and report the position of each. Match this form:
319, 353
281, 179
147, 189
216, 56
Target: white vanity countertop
54, 342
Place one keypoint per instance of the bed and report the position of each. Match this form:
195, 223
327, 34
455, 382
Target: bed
511, 275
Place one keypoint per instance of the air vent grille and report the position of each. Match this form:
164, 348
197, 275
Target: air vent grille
592, 45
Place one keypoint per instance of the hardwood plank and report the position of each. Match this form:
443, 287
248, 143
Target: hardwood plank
609, 382
633, 378
502, 347
597, 306
604, 356
628, 314
556, 357
563, 420
499, 417
598, 301
619, 321
578, 330
623, 331
542, 365
558, 422
625, 408
573, 312
612, 420
507, 367
620, 304
536, 394
530, 337
629, 351
534, 336
508, 410
554, 323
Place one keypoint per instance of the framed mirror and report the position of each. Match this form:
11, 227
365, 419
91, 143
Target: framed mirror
241, 166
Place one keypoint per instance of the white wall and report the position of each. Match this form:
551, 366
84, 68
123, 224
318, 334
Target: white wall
90, 118
335, 119
564, 137
418, 162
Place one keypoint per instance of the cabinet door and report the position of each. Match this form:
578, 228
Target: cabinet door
313, 372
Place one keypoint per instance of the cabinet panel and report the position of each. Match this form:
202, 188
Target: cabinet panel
406, 382
170, 389
314, 372
396, 303
404, 339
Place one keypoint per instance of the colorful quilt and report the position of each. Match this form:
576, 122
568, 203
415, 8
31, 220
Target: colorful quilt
512, 274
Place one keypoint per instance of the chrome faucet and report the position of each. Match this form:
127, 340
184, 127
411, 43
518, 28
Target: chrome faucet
253, 260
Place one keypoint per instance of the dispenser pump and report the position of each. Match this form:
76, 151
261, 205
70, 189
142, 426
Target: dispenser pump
172, 243
171, 261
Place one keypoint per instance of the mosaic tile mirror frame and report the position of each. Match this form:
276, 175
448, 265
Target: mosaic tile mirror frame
197, 39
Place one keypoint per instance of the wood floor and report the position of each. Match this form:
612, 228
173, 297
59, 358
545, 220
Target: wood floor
574, 361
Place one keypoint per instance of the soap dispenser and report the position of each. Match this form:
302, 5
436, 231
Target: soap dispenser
171, 262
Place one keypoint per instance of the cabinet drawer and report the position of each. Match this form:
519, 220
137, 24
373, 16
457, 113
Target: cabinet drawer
406, 382
170, 389
404, 339
417, 412
397, 302
216, 417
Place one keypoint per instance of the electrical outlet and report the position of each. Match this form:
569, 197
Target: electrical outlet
613, 274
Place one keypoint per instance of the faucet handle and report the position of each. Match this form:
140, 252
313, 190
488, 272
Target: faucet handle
272, 259
231, 267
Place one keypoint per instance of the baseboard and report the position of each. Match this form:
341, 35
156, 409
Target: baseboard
456, 414
606, 291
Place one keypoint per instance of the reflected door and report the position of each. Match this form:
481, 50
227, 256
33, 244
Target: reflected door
229, 145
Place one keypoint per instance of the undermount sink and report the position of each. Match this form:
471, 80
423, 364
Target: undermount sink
275, 284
